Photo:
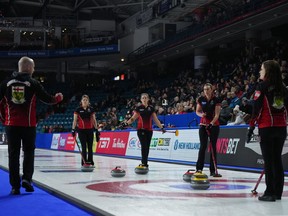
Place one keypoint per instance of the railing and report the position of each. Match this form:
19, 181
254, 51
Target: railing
200, 29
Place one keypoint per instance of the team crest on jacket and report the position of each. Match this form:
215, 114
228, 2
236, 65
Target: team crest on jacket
18, 96
257, 95
278, 102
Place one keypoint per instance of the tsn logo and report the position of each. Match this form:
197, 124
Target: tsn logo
104, 142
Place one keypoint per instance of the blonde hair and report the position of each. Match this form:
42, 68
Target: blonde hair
208, 84
146, 94
87, 97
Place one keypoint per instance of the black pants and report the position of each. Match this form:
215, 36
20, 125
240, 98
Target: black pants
271, 142
203, 135
86, 138
145, 137
16, 135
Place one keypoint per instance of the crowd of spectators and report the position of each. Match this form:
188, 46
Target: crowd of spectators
234, 82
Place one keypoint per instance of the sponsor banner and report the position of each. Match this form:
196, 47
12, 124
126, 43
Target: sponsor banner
70, 142
63, 141
113, 143
114, 48
185, 147
160, 145
134, 145
3, 139
233, 150
55, 141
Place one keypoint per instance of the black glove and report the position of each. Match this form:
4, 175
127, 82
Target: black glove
123, 125
209, 127
163, 130
250, 133
97, 134
73, 131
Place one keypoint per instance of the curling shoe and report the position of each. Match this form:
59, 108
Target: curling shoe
15, 191
27, 185
267, 198
215, 174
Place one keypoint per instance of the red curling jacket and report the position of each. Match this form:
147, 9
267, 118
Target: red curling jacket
208, 107
267, 110
18, 99
145, 118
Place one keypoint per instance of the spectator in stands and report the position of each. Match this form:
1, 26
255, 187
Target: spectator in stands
144, 113
170, 111
225, 113
269, 112
208, 108
180, 109
101, 125
51, 129
234, 100
43, 129
18, 97
238, 91
246, 107
108, 125
46, 129
85, 120
229, 97
161, 110
238, 116
113, 117
252, 86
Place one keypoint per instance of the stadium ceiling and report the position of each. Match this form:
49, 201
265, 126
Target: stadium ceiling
86, 9
91, 9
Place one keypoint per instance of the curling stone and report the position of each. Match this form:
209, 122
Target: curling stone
118, 172
87, 168
200, 181
141, 169
187, 176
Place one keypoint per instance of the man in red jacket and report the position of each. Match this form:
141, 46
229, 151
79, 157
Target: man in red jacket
18, 101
